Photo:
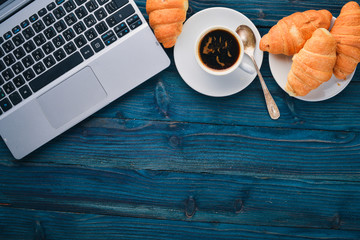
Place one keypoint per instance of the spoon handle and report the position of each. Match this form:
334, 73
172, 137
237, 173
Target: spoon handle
270, 103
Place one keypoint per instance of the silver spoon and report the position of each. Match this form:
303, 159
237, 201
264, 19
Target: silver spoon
248, 38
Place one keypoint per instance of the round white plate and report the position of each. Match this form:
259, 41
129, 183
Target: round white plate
191, 72
280, 66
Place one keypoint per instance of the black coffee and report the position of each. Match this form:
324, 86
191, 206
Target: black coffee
219, 49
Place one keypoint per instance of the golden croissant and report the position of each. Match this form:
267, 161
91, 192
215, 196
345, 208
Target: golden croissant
313, 65
289, 35
346, 31
166, 18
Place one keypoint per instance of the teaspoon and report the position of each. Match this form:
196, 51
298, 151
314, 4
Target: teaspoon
248, 38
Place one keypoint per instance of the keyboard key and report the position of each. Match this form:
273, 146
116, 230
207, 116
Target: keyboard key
90, 34
8, 46
81, 12
39, 68
80, 41
7, 35
27, 61
49, 61
123, 32
33, 18
56, 71
58, 2
1, 52
70, 48
24, 24
69, 34
91, 5
49, 19
29, 74
102, 2
25, 92
120, 27
39, 39
15, 98
5, 105
48, 48
79, 27
42, 12
58, 41
115, 5
1, 40
69, 6
135, 24
17, 68
9, 59
90, 21
19, 53
38, 54
79, 2
2, 66
109, 37
50, 33
51, 6
59, 12
100, 14
7, 74
18, 40
123, 13
16, 29
101, 27
28, 33
19, 81
70, 19
111, 21
132, 19
38, 26
2, 94
9, 87
29, 46
87, 52
60, 26
59, 54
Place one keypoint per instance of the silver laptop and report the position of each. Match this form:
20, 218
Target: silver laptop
63, 60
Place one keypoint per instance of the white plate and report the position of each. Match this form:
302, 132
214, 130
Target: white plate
191, 72
280, 66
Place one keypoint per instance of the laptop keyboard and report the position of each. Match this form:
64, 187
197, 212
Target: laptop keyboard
56, 39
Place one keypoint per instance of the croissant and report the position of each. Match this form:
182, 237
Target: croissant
346, 31
166, 18
289, 35
313, 65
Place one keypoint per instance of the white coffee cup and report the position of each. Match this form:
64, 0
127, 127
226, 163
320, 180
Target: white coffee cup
217, 68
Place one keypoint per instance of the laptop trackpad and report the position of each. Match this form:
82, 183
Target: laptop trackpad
72, 97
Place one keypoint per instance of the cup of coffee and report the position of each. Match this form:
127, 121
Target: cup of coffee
219, 50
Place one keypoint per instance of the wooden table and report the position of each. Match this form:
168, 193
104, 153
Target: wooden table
165, 162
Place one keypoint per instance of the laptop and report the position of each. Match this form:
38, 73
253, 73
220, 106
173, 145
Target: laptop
63, 60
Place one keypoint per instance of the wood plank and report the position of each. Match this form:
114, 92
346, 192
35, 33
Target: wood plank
205, 198
191, 147
22, 224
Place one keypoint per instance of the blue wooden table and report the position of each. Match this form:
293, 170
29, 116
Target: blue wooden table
165, 162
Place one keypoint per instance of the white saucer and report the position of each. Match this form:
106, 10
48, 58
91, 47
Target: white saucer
191, 72
280, 66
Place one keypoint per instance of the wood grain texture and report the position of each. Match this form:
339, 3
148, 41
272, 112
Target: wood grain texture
165, 162
196, 147
58, 225
191, 197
